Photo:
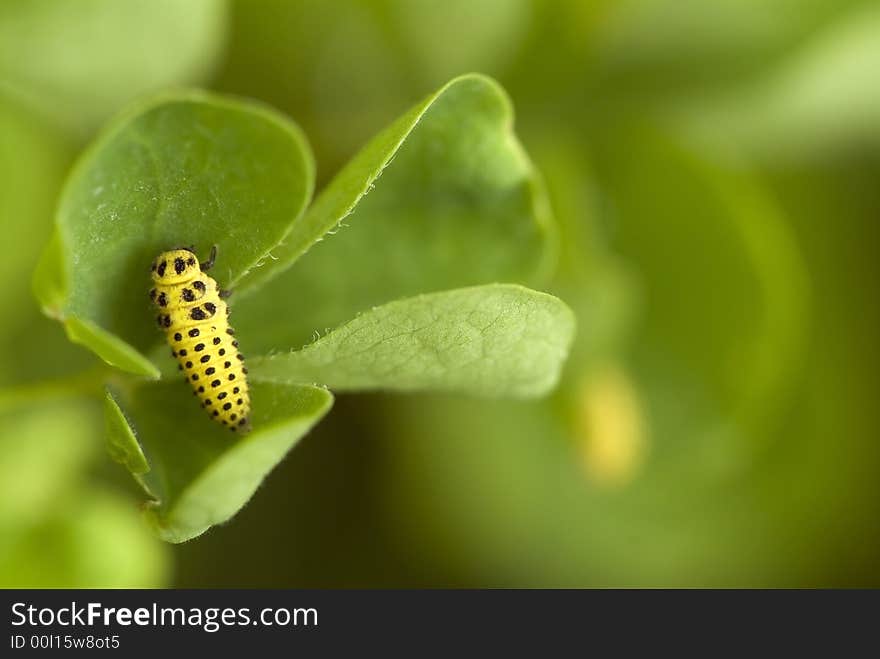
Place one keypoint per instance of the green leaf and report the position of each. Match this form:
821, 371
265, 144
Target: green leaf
186, 169
199, 473
109, 347
122, 445
80, 62
458, 204
495, 340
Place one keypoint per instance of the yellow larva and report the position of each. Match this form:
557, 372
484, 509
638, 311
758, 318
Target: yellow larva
193, 316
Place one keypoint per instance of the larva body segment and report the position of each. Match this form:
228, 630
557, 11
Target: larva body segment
194, 318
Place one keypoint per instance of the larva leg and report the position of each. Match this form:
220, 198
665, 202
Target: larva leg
207, 265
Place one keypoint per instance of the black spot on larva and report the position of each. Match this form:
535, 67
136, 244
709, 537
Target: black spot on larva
201, 390
161, 268
200, 347
205, 359
182, 353
173, 352
235, 390
222, 395
232, 417
215, 383
187, 295
240, 357
189, 364
244, 370
180, 367
230, 331
191, 261
231, 376
222, 352
153, 266
197, 314
210, 307
243, 421
223, 422
178, 336
227, 364
239, 401
216, 340
235, 344
216, 412
194, 332
153, 290
208, 401
199, 286
166, 320
179, 265
195, 377
163, 300
209, 370
227, 406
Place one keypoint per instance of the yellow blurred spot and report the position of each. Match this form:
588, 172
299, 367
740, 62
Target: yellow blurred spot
610, 427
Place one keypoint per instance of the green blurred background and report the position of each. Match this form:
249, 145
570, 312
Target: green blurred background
715, 170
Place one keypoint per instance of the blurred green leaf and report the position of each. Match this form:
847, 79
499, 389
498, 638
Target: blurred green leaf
443, 39
724, 293
658, 49
56, 528
48, 283
187, 169
518, 509
821, 99
591, 279
458, 204
32, 163
495, 340
81, 62
200, 474
45, 446
89, 540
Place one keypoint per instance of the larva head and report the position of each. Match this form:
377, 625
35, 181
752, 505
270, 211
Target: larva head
174, 266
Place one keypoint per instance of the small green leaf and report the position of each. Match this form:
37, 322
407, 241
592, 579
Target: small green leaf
444, 198
81, 62
122, 445
188, 169
495, 340
200, 474
109, 347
